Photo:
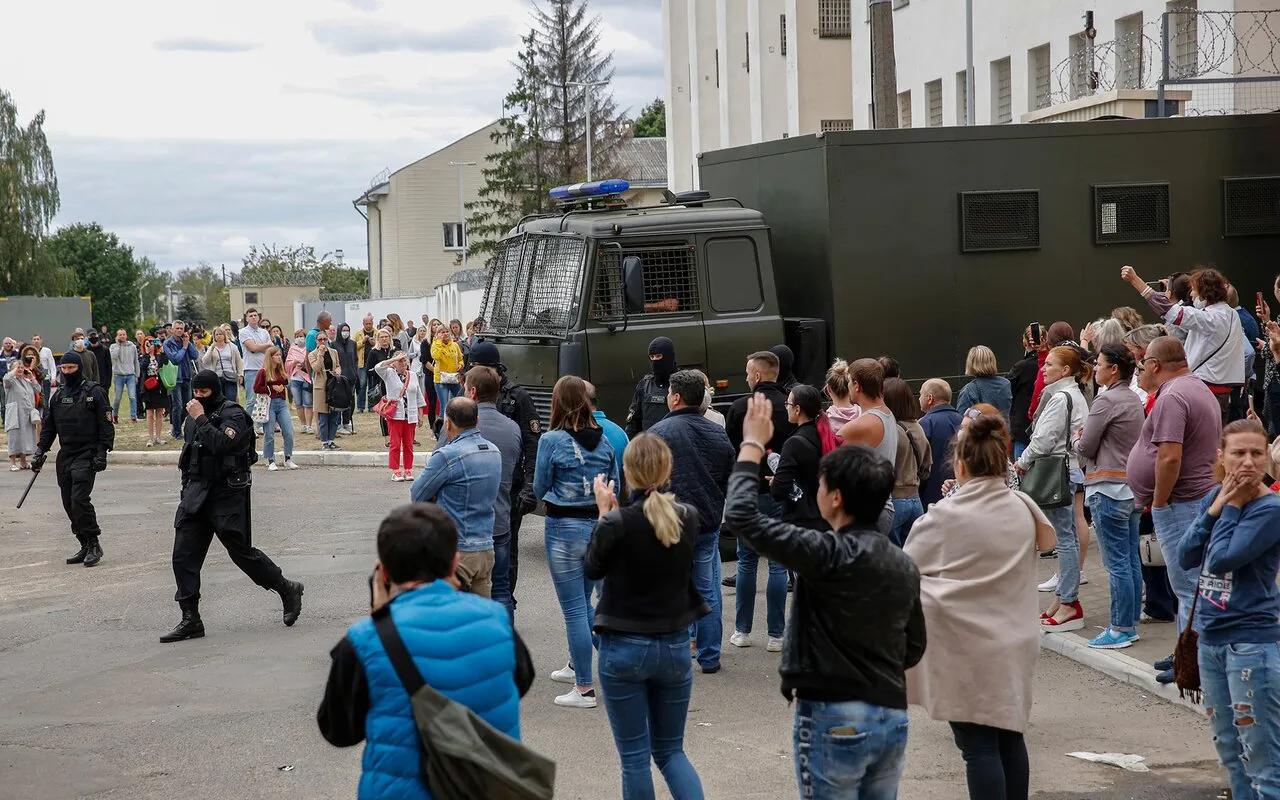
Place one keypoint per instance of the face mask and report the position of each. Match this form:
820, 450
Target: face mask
345, 334
72, 379
1199, 302
78, 344
300, 340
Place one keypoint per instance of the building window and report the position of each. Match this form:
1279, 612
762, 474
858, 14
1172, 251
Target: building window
833, 19
1001, 92
1081, 67
904, 109
933, 95
833, 125
453, 236
962, 98
1184, 38
1129, 52
1039, 76
250, 298
782, 32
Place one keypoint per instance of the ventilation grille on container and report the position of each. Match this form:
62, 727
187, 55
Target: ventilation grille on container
1003, 220
1134, 212
1251, 206
541, 397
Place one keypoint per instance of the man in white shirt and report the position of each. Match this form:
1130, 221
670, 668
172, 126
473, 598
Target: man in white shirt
254, 341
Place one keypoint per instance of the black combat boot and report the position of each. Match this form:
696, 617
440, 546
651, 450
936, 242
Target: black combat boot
191, 627
80, 554
93, 552
291, 596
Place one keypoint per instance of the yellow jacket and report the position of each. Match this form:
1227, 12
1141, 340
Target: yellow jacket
448, 357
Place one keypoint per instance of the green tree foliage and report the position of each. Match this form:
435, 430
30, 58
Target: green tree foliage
191, 311
104, 270
153, 286
652, 120
28, 203
204, 282
272, 264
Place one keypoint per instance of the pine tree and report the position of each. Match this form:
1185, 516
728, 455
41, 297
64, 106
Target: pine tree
191, 310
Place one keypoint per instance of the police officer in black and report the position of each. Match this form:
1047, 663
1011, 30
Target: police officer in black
516, 404
80, 417
218, 450
649, 405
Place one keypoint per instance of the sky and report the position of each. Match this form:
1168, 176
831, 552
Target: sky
193, 130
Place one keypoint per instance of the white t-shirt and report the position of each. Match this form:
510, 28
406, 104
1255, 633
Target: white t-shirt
252, 360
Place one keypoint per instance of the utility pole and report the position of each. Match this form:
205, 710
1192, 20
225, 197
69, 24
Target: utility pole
462, 208
971, 108
884, 71
589, 86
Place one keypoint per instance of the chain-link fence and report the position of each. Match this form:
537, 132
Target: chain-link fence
1228, 60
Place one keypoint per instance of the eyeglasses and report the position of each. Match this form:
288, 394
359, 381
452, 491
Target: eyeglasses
790, 404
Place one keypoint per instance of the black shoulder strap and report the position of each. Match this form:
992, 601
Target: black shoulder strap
396, 651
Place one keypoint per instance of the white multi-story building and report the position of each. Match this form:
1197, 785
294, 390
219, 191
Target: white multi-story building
746, 71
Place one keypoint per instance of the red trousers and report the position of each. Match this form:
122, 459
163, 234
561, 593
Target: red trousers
401, 435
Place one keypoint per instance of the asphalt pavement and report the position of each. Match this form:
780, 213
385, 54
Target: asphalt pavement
92, 705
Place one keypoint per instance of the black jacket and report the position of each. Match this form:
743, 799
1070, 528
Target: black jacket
516, 404
80, 419
347, 358
782, 427
648, 406
797, 474
1023, 381
648, 587
856, 624
701, 458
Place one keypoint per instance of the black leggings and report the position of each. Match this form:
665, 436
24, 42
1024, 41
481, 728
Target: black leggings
995, 761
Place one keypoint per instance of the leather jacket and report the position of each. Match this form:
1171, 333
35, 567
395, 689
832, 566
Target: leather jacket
856, 623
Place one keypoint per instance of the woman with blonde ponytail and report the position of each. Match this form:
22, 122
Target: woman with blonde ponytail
644, 555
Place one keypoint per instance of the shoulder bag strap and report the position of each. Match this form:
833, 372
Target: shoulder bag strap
396, 651
1070, 410
1231, 331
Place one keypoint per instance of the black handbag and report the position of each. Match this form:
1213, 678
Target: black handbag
463, 757
339, 392
1048, 481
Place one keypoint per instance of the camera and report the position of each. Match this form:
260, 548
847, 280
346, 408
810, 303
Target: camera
386, 587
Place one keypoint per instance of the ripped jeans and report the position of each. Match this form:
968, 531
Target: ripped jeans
1241, 684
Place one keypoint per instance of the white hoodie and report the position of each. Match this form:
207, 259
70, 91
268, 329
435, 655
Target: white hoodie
1050, 433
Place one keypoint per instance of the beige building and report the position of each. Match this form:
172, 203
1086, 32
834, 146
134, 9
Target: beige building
281, 304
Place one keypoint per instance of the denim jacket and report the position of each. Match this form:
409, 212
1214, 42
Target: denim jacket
567, 467
463, 478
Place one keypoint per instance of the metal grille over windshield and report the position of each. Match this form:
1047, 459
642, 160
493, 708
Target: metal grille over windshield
535, 284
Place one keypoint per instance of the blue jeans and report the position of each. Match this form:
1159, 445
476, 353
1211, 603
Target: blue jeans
1064, 526
301, 393
328, 422
849, 749
250, 375
179, 396
1117, 524
647, 681
446, 392
277, 414
708, 631
501, 591
1018, 449
566, 543
775, 591
1172, 523
231, 390
362, 388
122, 383
1241, 685
905, 513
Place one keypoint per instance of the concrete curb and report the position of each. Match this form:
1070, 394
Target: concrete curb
303, 458
1115, 664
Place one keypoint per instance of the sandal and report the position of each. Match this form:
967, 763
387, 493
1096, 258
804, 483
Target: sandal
1073, 623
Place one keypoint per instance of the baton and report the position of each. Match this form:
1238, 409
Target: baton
30, 483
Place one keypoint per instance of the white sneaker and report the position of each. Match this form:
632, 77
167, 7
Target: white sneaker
774, 645
271, 467
575, 699
739, 639
397, 477
1083, 579
566, 675
408, 476
288, 464
1050, 585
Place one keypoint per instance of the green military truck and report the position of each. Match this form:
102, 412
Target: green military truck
916, 243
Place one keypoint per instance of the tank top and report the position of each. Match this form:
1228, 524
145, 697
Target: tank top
888, 447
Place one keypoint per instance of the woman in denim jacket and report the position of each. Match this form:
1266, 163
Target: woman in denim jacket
570, 456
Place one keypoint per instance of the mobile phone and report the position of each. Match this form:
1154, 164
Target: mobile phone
1034, 329
1157, 285
1259, 300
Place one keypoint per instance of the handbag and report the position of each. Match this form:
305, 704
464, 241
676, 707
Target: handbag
151, 383
1048, 481
261, 407
463, 757
169, 376
446, 377
1186, 657
1149, 551
388, 408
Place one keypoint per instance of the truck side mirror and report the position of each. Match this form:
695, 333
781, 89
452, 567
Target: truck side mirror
633, 284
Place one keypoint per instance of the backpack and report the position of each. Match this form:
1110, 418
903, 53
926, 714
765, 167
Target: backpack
339, 392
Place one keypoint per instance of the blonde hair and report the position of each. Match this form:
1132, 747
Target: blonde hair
981, 362
839, 381
647, 465
274, 372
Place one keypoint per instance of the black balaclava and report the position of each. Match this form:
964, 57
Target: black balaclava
664, 367
786, 364
74, 379
208, 379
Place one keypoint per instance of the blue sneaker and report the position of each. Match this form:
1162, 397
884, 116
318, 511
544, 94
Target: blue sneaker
1111, 639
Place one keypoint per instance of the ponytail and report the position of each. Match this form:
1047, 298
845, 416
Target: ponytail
826, 435
660, 510
647, 465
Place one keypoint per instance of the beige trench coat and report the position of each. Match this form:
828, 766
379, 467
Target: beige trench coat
319, 377
976, 552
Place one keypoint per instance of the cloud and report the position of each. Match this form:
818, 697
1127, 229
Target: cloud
366, 5
199, 44
366, 37
481, 96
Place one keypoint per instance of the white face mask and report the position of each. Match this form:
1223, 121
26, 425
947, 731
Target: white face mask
1199, 303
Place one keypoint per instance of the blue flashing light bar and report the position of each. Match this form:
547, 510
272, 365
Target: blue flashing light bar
603, 188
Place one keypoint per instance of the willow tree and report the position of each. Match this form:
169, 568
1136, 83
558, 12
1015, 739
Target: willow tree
28, 202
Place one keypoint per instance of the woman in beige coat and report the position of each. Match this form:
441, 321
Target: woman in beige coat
323, 363
976, 552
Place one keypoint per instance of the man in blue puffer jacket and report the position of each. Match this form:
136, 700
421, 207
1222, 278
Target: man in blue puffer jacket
417, 556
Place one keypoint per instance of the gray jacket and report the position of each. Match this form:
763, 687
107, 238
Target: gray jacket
1110, 431
124, 359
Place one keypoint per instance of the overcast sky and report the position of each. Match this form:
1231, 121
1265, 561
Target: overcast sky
193, 130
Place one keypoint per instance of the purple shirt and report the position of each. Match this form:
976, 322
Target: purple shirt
1185, 413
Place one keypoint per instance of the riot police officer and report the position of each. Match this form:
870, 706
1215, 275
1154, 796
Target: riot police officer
218, 450
80, 417
649, 405
517, 405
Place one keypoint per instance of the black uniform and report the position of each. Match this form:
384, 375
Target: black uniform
649, 404
517, 405
80, 417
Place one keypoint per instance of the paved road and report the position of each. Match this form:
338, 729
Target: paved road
91, 705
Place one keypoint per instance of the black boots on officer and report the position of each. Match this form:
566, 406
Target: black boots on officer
89, 554
192, 627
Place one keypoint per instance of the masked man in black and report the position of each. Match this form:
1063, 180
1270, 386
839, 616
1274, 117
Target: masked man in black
649, 405
80, 417
218, 450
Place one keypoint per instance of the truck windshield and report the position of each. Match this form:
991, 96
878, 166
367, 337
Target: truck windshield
535, 284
